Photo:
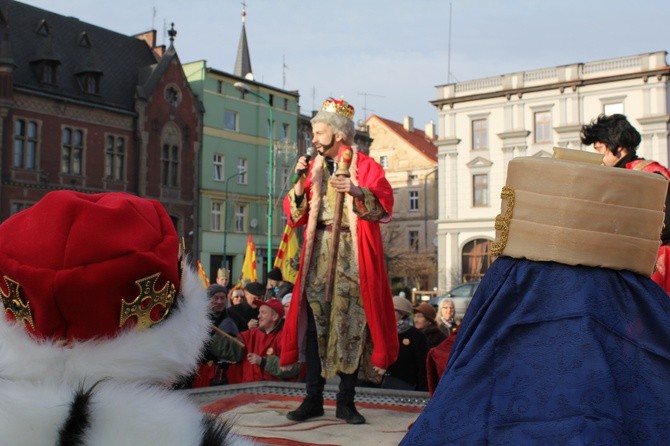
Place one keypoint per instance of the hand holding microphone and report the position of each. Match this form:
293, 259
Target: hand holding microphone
308, 156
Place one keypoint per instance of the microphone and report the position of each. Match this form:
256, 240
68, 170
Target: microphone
309, 153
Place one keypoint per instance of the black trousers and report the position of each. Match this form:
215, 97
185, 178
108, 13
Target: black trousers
313, 379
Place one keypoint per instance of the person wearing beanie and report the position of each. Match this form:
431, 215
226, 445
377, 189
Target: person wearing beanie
408, 372
424, 320
255, 353
273, 285
286, 302
99, 317
350, 332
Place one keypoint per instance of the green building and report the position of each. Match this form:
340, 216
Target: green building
234, 186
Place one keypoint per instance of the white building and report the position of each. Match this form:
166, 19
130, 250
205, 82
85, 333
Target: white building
483, 123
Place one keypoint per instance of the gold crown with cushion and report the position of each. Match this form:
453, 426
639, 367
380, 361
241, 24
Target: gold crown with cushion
576, 213
339, 106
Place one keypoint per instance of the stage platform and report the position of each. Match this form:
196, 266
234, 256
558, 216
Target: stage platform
258, 411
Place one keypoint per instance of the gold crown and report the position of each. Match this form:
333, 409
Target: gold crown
339, 106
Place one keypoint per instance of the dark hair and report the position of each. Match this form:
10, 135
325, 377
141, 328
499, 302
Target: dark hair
614, 131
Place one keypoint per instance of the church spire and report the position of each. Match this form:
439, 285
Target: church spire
243, 60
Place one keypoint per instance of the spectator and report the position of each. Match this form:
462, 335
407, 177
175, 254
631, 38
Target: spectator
409, 370
446, 321
236, 296
617, 140
424, 320
211, 371
272, 286
286, 302
255, 356
245, 314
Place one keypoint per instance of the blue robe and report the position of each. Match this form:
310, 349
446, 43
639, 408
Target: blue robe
555, 354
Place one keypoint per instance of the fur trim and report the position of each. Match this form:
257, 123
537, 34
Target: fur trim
119, 415
162, 353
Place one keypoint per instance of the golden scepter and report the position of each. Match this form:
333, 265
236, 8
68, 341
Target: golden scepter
342, 171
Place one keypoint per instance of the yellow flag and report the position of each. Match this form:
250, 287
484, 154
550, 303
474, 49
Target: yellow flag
288, 255
249, 265
202, 275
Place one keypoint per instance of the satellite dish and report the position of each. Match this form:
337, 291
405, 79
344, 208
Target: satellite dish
360, 123
253, 223
249, 76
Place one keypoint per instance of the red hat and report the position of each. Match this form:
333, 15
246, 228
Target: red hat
273, 303
79, 266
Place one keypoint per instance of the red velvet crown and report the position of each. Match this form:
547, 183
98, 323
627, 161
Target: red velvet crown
79, 266
339, 106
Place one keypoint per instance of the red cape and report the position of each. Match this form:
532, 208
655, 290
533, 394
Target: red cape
375, 289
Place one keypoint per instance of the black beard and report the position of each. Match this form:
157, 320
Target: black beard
328, 146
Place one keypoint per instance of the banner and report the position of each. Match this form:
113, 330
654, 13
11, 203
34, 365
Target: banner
288, 255
249, 265
202, 275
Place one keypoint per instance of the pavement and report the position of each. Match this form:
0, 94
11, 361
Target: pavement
258, 411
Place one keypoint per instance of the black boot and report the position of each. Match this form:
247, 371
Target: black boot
348, 413
311, 407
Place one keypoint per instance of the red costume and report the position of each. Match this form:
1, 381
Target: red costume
374, 287
661, 274
261, 343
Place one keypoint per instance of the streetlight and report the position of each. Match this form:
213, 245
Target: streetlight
241, 86
224, 260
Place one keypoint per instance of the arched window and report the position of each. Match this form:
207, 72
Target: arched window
170, 155
476, 259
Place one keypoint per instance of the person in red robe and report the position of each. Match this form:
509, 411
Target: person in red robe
354, 332
254, 356
617, 140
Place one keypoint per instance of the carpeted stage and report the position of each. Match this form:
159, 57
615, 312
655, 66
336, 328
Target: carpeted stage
259, 412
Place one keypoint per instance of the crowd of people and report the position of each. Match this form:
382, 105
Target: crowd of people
563, 342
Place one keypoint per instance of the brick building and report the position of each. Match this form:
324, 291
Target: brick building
92, 110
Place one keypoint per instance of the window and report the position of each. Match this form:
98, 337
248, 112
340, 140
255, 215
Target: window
480, 135
613, 108
18, 206
240, 211
270, 132
476, 259
170, 166
286, 131
413, 237
89, 82
413, 200
285, 104
46, 71
115, 157
25, 144
72, 149
219, 87
218, 167
230, 120
241, 171
543, 131
384, 161
480, 190
215, 223
284, 178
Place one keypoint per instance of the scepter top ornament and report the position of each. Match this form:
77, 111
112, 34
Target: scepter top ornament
338, 106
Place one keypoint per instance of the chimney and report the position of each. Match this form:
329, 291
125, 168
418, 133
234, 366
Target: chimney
430, 130
408, 123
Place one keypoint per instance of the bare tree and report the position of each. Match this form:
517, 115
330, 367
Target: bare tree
405, 262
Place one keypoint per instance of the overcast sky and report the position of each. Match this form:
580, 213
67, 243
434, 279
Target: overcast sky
387, 56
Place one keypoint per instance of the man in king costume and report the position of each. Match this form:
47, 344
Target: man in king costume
356, 330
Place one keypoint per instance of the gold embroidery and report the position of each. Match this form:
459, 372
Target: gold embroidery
13, 303
146, 301
503, 221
